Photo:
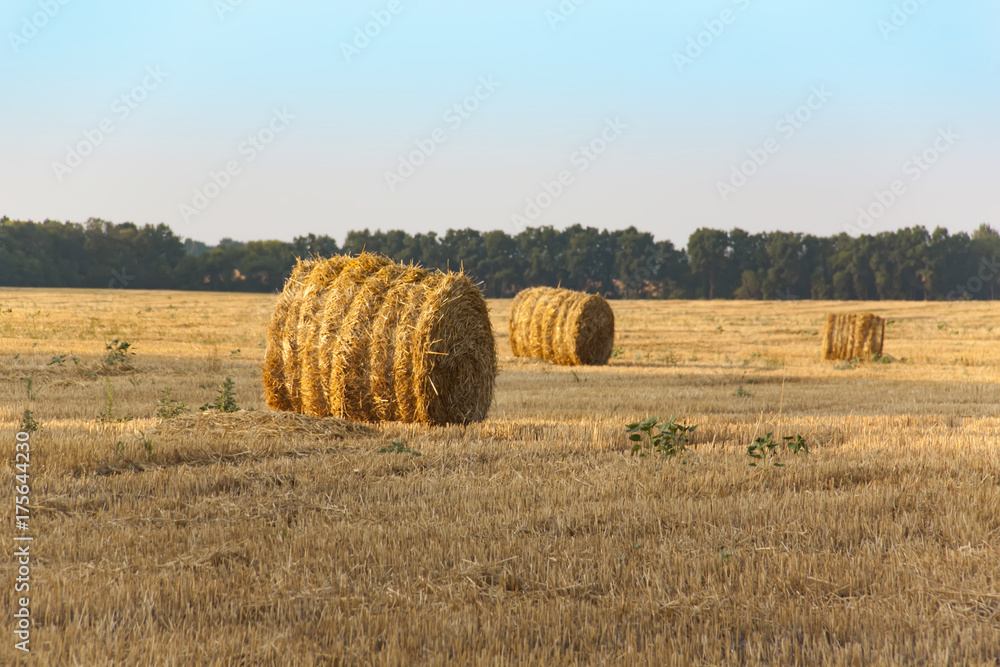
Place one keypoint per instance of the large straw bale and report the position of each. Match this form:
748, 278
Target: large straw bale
562, 326
853, 336
367, 339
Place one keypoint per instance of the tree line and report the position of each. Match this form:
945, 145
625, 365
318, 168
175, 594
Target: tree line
906, 264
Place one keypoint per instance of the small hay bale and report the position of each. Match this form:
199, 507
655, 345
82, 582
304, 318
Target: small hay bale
853, 337
367, 339
562, 326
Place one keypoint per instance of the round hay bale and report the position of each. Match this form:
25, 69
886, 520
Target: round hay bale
367, 339
562, 326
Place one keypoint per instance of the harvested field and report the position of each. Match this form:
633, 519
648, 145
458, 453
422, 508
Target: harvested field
532, 537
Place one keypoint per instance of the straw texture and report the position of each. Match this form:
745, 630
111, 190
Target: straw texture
210, 426
562, 326
853, 337
367, 339
274, 357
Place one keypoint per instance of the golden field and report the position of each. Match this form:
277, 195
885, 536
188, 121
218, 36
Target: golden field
534, 537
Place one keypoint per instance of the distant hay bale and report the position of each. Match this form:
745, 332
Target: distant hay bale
367, 339
562, 326
853, 337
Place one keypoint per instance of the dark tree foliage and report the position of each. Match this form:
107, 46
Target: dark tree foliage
907, 264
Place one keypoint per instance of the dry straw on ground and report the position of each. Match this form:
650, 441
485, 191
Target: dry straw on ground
367, 339
259, 423
530, 538
853, 337
562, 326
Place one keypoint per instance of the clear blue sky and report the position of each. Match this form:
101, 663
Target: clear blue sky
682, 118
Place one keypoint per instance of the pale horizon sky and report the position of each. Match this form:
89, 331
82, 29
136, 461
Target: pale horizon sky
183, 87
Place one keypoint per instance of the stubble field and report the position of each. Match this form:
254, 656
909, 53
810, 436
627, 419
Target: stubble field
534, 537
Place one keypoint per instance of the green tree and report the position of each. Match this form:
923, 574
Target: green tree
708, 250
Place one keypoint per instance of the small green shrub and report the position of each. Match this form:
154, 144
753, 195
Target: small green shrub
764, 450
146, 443
108, 417
28, 423
118, 353
225, 401
168, 408
120, 447
796, 444
668, 439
